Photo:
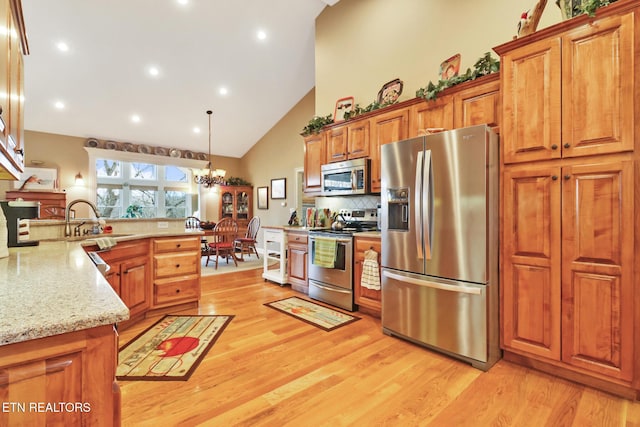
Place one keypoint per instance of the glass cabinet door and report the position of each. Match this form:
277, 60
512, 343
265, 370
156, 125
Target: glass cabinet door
243, 205
226, 210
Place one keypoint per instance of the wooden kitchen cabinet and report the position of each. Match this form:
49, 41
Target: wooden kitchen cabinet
298, 259
550, 112
62, 371
348, 141
385, 128
477, 102
12, 89
314, 158
569, 195
368, 300
129, 276
437, 113
176, 271
52, 203
236, 202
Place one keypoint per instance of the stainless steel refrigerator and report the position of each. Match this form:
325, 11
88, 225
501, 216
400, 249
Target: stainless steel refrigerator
440, 243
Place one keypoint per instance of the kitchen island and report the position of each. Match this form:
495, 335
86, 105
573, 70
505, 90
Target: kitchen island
58, 343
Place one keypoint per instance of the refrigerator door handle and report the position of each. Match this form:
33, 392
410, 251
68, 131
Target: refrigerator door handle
433, 285
416, 204
426, 205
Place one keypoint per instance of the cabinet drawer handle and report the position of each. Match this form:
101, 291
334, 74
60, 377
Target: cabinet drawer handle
567, 145
177, 291
177, 265
178, 245
554, 147
566, 177
554, 177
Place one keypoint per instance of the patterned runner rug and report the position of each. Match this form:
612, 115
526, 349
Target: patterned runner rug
318, 315
171, 349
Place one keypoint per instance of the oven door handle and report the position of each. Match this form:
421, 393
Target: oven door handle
337, 240
332, 289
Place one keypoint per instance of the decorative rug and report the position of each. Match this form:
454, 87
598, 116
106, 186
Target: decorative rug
318, 315
171, 349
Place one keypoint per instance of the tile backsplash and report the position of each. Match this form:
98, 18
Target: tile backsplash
350, 202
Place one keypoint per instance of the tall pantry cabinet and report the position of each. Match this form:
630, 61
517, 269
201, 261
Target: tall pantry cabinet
570, 173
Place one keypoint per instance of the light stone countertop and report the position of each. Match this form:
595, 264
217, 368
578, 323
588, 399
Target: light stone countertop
54, 288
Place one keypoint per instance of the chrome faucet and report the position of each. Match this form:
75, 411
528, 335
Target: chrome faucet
67, 227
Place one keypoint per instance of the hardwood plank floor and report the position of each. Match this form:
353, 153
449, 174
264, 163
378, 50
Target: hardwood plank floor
269, 369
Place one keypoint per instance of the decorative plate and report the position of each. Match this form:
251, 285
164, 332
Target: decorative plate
93, 143
144, 149
189, 155
174, 152
110, 145
128, 147
202, 156
160, 151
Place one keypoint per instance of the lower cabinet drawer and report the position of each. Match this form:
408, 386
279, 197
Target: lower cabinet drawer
176, 263
175, 290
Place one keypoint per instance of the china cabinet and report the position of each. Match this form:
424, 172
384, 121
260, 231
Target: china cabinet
236, 202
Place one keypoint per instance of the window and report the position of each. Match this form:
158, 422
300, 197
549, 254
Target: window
142, 190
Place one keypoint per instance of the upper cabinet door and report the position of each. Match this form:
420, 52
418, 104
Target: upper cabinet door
478, 105
337, 144
358, 139
314, 158
531, 102
437, 113
597, 87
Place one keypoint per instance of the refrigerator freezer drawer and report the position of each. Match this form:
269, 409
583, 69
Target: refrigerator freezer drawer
443, 314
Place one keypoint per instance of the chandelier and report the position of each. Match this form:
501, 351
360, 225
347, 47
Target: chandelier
209, 176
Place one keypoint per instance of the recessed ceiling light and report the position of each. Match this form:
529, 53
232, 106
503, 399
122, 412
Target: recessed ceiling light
153, 71
62, 46
183, 2
59, 105
223, 91
135, 118
261, 35
196, 130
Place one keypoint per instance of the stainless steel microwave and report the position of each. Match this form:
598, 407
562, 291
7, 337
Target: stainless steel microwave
345, 178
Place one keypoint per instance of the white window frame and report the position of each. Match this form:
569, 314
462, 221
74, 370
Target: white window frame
160, 184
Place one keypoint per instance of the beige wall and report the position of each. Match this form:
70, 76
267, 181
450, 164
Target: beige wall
67, 155
362, 44
277, 155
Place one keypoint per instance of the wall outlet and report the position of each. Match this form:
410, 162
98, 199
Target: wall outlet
163, 224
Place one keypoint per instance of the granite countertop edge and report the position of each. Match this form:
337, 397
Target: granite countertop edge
55, 288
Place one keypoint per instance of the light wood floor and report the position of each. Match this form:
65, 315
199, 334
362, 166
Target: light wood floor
269, 369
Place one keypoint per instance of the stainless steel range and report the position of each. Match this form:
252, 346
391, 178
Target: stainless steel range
331, 258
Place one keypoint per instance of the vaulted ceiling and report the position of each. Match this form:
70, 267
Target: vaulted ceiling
145, 71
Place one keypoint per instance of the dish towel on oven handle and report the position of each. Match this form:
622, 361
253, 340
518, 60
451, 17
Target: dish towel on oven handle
370, 271
325, 252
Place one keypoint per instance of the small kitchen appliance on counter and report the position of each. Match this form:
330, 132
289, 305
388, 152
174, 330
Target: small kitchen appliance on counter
18, 214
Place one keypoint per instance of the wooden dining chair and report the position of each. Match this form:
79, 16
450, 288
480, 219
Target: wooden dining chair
192, 223
248, 242
222, 241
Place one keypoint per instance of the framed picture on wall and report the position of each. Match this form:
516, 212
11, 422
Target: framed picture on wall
279, 188
37, 179
263, 197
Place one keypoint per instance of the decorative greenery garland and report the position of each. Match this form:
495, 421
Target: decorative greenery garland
485, 65
316, 124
